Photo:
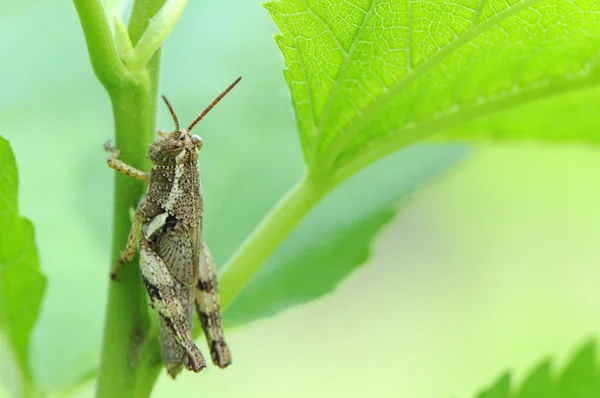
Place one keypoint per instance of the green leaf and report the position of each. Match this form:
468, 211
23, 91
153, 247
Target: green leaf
580, 379
569, 118
21, 282
538, 383
370, 76
500, 389
335, 238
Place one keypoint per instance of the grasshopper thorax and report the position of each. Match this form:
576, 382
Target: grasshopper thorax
179, 146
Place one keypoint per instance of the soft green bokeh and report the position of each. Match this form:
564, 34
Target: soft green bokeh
494, 267
335, 238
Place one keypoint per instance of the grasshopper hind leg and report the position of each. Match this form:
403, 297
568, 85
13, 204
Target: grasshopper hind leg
163, 293
208, 306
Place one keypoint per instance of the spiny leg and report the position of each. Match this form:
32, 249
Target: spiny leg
131, 247
162, 291
121, 167
208, 306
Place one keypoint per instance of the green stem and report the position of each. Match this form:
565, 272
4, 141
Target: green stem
267, 236
133, 96
134, 109
149, 368
105, 60
29, 389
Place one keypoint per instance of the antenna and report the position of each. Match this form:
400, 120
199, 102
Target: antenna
215, 102
172, 113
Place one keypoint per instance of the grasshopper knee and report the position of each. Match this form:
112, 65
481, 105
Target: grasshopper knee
220, 353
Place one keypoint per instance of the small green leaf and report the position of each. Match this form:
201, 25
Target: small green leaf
335, 238
538, 383
580, 379
501, 389
122, 39
158, 29
21, 282
370, 76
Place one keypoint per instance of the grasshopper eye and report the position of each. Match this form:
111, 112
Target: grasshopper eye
162, 150
197, 142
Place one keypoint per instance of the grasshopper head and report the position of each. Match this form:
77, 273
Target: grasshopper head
176, 147
180, 146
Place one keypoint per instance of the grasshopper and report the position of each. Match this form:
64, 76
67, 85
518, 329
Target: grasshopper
176, 266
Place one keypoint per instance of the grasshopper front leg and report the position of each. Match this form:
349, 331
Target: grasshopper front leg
208, 306
123, 168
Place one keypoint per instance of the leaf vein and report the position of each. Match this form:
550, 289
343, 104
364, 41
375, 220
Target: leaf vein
309, 98
478, 11
436, 59
327, 28
341, 73
485, 105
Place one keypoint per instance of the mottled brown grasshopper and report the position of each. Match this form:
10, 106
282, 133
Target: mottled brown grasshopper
177, 268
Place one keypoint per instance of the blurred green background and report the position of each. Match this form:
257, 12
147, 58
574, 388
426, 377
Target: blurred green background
493, 266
